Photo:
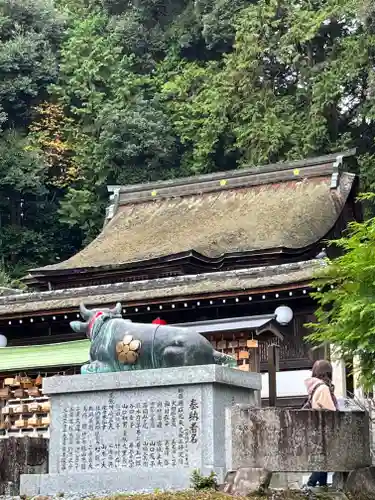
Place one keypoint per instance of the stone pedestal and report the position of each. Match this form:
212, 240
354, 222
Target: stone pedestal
282, 440
138, 431
28, 455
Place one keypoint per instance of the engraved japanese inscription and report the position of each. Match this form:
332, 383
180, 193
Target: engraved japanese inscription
117, 432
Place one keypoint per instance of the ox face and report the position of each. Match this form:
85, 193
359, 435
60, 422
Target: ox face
90, 316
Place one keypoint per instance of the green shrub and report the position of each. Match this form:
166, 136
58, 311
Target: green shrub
200, 482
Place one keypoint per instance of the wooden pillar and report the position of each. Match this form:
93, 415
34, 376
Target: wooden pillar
254, 360
273, 368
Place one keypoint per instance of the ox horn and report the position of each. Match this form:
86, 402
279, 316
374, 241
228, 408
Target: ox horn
117, 309
85, 313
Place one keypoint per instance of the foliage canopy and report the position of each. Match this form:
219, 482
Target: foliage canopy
346, 297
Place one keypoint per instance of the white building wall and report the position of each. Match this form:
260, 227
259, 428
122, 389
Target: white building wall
288, 383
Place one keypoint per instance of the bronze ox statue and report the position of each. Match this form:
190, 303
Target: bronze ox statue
118, 344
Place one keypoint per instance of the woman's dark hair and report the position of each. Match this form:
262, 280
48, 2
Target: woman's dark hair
322, 370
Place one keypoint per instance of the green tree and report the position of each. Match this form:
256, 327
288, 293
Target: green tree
198, 111
21, 191
295, 84
46, 134
120, 132
30, 32
346, 298
5, 280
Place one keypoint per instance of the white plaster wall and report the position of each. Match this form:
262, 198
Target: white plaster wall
288, 383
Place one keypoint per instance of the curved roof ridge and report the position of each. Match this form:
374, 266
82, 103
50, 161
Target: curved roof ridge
221, 181
236, 173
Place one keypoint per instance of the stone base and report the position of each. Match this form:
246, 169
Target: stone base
246, 481
288, 480
360, 483
138, 431
109, 482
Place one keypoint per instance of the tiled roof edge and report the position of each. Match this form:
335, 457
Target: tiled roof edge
157, 283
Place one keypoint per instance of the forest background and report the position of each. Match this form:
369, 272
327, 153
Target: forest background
97, 92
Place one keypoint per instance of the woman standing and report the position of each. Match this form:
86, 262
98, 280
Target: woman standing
321, 396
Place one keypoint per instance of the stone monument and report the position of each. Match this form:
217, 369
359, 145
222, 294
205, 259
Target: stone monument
133, 429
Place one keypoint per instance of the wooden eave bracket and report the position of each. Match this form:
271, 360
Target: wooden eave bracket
271, 328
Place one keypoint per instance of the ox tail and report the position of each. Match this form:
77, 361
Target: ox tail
224, 359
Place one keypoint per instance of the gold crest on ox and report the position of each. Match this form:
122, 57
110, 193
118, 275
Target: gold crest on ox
118, 344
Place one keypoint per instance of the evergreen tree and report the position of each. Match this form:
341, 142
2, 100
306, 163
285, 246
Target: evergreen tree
345, 292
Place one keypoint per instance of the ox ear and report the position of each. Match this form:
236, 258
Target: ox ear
117, 309
78, 326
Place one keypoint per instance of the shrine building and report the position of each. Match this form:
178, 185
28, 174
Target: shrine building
230, 254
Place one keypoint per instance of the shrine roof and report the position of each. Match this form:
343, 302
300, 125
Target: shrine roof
177, 288
284, 206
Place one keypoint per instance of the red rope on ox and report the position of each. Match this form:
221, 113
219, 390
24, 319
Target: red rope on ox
92, 321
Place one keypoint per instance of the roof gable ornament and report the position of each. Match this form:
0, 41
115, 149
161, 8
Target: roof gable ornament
337, 169
114, 203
